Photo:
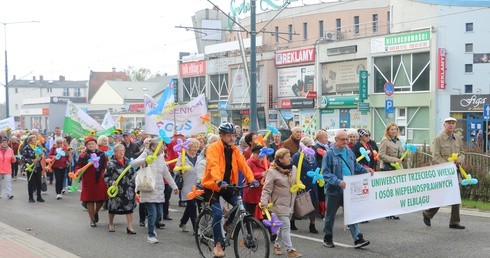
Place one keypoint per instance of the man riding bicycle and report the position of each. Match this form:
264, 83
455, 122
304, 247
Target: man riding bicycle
223, 161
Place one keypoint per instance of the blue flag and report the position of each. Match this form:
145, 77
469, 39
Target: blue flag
166, 101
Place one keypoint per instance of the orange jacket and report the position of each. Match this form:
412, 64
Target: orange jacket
215, 166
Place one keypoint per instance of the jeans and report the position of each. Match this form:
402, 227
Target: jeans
284, 234
155, 211
218, 214
190, 212
333, 204
8, 184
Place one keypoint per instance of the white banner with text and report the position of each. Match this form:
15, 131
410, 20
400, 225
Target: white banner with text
398, 192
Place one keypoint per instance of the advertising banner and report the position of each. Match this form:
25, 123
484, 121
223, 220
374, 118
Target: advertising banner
295, 81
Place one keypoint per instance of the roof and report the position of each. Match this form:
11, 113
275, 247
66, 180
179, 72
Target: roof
135, 90
163, 80
47, 84
98, 78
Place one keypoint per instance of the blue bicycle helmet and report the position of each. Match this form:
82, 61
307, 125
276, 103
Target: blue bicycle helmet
227, 128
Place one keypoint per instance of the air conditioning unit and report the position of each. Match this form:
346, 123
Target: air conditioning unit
332, 36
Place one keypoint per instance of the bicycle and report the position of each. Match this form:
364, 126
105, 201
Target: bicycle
250, 238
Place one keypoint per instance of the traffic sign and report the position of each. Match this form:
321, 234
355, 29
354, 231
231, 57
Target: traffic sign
389, 107
486, 111
389, 88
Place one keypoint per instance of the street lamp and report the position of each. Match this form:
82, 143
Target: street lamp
6, 64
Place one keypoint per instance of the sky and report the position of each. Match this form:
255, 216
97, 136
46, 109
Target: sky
71, 37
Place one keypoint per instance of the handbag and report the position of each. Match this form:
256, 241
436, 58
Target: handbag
145, 180
179, 181
44, 184
303, 204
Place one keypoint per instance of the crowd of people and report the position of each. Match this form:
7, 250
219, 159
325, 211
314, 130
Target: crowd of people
213, 162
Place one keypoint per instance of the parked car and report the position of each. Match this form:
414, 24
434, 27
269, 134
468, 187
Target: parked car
285, 133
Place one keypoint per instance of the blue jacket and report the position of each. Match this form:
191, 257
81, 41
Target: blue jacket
332, 169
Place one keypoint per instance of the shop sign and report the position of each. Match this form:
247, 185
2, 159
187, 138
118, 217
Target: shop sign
245, 112
401, 42
297, 56
222, 105
363, 85
311, 94
136, 107
441, 68
469, 103
363, 107
192, 69
212, 106
296, 103
335, 102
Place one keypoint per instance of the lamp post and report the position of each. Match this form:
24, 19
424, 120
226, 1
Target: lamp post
6, 64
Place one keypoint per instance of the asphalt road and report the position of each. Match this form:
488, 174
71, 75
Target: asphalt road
65, 224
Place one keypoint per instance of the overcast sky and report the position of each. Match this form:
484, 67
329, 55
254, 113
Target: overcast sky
74, 37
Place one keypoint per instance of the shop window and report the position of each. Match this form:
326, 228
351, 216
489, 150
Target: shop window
468, 47
218, 87
193, 87
408, 72
469, 26
468, 68
468, 88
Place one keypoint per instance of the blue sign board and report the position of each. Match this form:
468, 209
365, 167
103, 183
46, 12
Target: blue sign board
486, 111
389, 88
389, 107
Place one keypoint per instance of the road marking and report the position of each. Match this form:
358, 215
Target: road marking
320, 240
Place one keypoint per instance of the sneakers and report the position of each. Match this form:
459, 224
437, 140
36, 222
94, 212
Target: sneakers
63, 191
58, 197
457, 226
158, 225
40, 199
142, 223
426, 220
31, 200
360, 242
294, 253
10, 197
152, 240
277, 250
327, 242
218, 251
293, 225
183, 227
313, 229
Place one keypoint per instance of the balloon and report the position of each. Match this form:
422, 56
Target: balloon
94, 159
321, 151
38, 151
266, 151
171, 161
181, 145
183, 167
272, 130
109, 153
409, 148
298, 185
163, 137
49, 164
114, 189
206, 118
74, 185
271, 222
316, 176
261, 140
59, 153
467, 177
195, 192
150, 159
375, 155
79, 172
306, 150
364, 155
396, 165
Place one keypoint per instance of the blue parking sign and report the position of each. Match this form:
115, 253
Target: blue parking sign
389, 106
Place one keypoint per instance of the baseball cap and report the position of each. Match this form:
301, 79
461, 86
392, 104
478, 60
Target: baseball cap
125, 133
450, 119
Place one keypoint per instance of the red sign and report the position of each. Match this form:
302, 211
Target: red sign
136, 107
192, 69
311, 94
271, 99
285, 103
45, 111
441, 68
245, 112
305, 55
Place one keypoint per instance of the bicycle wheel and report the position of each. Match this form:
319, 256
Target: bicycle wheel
204, 233
252, 240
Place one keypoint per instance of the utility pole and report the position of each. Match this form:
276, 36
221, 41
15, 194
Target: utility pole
253, 69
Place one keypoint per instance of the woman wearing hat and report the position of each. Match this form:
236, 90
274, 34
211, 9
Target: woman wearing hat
369, 145
94, 189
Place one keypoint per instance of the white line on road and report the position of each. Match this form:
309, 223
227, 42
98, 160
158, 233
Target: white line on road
319, 240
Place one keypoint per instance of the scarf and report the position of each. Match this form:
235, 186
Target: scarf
283, 169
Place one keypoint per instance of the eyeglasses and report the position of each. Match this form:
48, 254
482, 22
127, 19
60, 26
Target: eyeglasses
367, 135
343, 139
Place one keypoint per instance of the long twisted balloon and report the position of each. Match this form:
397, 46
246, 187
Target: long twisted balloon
468, 180
113, 190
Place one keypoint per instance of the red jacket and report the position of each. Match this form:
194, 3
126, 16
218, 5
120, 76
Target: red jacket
63, 161
252, 195
7, 157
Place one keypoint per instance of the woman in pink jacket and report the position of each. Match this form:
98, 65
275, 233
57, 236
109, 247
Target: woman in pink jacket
7, 157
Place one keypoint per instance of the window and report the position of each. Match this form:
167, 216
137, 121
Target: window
468, 88
77, 93
338, 25
468, 68
305, 30
16, 106
290, 32
66, 92
320, 28
218, 86
389, 21
408, 72
468, 47
375, 23
49, 89
276, 29
16, 90
469, 26
356, 24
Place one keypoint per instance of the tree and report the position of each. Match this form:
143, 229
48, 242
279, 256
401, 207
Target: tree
140, 74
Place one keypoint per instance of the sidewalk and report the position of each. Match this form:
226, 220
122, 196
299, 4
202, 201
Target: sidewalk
15, 243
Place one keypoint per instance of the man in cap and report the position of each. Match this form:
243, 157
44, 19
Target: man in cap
445, 144
131, 148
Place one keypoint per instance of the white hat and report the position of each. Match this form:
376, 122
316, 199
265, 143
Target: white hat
450, 119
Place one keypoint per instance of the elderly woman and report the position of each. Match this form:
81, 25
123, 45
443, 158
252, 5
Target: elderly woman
94, 189
6, 160
103, 143
124, 202
390, 151
321, 143
31, 159
60, 164
309, 164
353, 136
278, 181
154, 200
369, 145
251, 195
190, 178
